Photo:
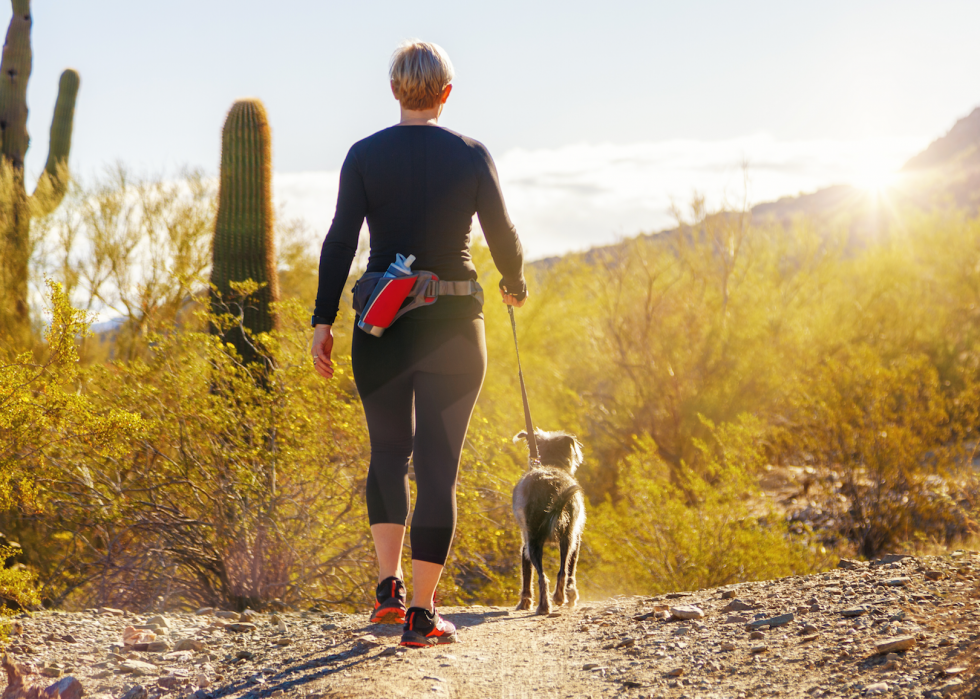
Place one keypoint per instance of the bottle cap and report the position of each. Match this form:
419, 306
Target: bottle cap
403, 264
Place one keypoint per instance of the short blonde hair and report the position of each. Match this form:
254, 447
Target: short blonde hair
419, 71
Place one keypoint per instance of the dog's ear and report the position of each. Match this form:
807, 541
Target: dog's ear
519, 436
572, 448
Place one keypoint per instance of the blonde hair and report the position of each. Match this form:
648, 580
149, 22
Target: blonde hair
419, 71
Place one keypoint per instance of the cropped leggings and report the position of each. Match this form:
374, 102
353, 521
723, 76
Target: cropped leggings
418, 383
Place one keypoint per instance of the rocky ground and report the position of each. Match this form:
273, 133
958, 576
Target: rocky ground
898, 627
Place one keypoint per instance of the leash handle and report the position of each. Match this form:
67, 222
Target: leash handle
532, 442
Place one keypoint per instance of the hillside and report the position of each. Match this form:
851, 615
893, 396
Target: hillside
946, 173
899, 627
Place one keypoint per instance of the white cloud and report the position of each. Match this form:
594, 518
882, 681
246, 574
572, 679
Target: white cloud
582, 195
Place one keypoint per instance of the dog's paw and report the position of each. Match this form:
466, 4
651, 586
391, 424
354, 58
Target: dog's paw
524, 604
559, 598
572, 596
543, 609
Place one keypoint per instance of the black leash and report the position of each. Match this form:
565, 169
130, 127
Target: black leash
532, 443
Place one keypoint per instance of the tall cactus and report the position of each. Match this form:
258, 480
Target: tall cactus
244, 243
16, 206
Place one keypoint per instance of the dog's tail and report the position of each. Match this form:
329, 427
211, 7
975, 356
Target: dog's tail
550, 523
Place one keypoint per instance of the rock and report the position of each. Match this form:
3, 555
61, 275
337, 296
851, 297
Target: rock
686, 612
755, 650
876, 688
808, 638
280, 624
202, 680
248, 615
50, 671
190, 644
898, 582
728, 594
152, 647
131, 636
855, 611
757, 635
329, 627
66, 688
737, 605
773, 622
626, 642
727, 645
109, 611
137, 692
808, 629
179, 656
950, 687
222, 614
736, 620
68, 638
848, 564
283, 641
241, 627
277, 605
160, 621
590, 666
168, 681
894, 645
394, 650
890, 558
368, 639
244, 655
138, 668
205, 611
934, 575
676, 672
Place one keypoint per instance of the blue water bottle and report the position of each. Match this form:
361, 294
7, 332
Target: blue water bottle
387, 297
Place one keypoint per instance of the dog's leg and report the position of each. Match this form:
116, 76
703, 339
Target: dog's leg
570, 587
526, 598
559, 598
537, 560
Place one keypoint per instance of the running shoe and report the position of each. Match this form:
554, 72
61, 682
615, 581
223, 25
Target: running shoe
424, 628
389, 602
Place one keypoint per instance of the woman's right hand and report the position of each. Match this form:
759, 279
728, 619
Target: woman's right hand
322, 347
511, 300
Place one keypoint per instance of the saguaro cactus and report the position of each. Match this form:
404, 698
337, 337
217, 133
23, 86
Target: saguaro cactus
16, 206
244, 243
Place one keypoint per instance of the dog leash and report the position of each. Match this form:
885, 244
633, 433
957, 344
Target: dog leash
532, 443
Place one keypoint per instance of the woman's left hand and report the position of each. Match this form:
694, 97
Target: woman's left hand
511, 300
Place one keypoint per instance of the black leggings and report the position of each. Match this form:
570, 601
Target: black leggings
418, 383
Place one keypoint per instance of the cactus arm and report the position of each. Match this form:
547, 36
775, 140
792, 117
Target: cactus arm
15, 70
53, 183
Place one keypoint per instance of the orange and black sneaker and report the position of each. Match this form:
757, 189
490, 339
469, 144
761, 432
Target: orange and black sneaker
389, 602
424, 628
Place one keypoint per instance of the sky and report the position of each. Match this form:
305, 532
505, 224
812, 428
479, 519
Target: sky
599, 115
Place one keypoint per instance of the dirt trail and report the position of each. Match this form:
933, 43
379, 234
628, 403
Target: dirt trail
814, 636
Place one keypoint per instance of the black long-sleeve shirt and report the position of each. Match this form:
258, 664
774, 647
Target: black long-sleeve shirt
419, 187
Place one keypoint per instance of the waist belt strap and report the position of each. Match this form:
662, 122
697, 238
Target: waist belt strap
443, 288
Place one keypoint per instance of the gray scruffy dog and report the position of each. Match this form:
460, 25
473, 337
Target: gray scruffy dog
550, 508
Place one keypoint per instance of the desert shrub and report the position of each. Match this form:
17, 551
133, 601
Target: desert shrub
238, 491
703, 532
43, 415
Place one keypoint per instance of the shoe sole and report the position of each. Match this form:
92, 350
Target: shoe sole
413, 639
392, 616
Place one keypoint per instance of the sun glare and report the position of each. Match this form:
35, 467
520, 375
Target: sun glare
874, 178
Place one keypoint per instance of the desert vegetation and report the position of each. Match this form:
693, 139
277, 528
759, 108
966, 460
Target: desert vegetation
186, 454
151, 464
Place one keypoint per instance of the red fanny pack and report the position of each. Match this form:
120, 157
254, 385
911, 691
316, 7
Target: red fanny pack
380, 300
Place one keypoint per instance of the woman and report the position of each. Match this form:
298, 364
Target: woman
419, 185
